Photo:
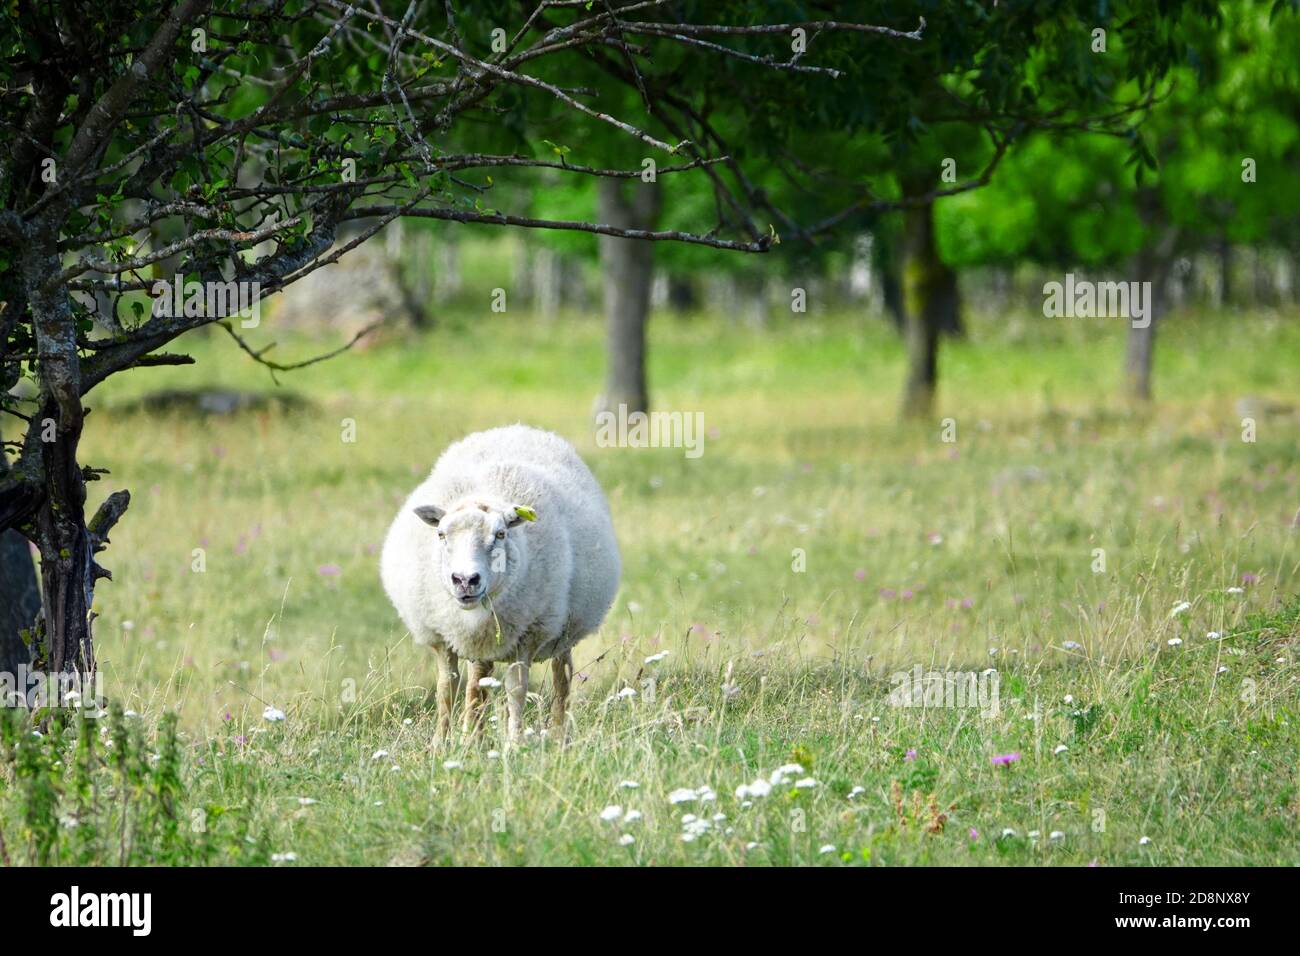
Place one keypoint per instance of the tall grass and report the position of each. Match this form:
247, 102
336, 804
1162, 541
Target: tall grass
815, 549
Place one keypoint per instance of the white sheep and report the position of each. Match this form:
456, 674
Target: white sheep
506, 552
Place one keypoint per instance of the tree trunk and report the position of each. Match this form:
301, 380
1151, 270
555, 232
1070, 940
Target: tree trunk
1225, 271
628, 267
548, 283
682, 296
446, 270
1139, 356
20, 596
20, 600
1151, 265
406, 270
67, 544
931, 308
67, 584
884, 263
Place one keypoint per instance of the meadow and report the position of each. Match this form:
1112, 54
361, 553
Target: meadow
1130, 576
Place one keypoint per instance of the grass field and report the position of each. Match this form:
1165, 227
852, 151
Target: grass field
984, 552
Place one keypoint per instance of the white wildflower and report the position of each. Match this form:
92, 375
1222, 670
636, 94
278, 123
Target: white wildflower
782, 774
759, 788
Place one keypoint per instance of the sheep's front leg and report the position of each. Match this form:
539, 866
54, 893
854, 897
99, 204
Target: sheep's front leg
475, 696
561, 672
516, 696
448, 679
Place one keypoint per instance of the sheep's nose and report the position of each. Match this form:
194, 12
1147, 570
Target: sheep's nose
466, 581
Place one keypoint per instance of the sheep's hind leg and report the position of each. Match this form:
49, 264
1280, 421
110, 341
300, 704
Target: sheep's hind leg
516, 695
448, 679
561, 673
475, 696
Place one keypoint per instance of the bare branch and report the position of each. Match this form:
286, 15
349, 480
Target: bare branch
526, 222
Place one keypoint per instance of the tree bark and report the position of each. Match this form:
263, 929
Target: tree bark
885, 263
1152, 265
446, 271
548, 283
628, 267
67, 584
1224, 250
931, 308
20, 600
20, 596
682, 296
67, 545
1139, 356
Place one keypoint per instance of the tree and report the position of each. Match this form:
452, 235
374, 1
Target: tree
1214, 164
1223, 162
984, 78
227, 145
628, 272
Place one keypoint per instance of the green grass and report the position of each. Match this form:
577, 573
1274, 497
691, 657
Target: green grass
951, 556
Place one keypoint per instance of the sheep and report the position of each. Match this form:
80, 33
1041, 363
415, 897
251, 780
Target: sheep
506, 552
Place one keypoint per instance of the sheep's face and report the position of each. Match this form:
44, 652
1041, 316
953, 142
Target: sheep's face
475, 549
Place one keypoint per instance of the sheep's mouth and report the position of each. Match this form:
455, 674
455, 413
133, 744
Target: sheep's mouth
470, 600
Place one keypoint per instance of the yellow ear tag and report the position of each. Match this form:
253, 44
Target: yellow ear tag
525, 512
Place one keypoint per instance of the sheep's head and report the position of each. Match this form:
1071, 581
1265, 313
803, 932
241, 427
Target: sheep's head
475, 549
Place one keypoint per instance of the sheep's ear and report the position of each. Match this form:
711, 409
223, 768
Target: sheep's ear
521, 514
430, 514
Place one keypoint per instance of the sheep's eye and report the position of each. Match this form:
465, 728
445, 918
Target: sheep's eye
442, 536
501, 535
